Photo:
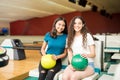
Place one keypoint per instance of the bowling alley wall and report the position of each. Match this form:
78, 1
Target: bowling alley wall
39, 26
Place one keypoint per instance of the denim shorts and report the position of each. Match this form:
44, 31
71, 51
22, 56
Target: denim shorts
91, 64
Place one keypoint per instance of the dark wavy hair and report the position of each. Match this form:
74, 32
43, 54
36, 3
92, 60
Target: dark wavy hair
53, 32
71, 32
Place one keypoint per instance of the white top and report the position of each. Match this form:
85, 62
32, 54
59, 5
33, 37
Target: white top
77, 45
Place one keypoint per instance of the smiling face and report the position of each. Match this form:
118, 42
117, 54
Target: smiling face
60, 26
78, 25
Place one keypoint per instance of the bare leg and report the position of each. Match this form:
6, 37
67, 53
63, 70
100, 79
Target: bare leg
78, 75
67, 73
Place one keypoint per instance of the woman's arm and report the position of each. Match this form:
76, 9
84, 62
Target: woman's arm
43, 48
92, 51
61, 55
70, 54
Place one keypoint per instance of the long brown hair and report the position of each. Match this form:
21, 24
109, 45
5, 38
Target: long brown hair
71, 32
53, 32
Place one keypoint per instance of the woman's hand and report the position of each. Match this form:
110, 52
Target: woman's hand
70, 66
84, 55
54, 57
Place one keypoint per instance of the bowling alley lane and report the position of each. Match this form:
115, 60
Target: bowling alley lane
19, 69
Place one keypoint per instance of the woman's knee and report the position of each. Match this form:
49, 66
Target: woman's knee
65, 77
43, 71
74, 77
50, 75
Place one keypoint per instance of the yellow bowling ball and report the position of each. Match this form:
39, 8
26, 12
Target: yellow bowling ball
47, 62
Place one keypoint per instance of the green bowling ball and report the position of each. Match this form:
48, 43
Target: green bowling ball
79, 63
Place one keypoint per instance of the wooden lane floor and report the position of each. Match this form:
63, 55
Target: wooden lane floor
19, 69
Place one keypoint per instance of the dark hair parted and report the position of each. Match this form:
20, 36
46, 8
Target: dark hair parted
53, 32
71, 31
